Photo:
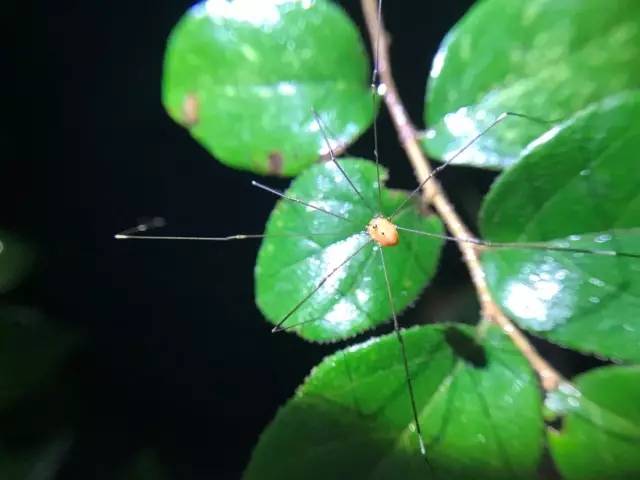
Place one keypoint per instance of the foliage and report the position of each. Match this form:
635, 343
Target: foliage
348, 303
246, 81
477, 400
565, 296
601, 430
255, 65
40, 400
274, 87
545, 58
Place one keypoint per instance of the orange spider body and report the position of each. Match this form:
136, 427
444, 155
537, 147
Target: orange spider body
383, 232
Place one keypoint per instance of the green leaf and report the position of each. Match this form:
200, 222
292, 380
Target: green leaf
245, 75
583, 301
31, 349
578, 177
478, 404
16, 261
543, 58
355, 297
600, 436
578, 185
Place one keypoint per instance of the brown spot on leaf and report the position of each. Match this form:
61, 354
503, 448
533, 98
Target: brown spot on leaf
275, 163
190, 108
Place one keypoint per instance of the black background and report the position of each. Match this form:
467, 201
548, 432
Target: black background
178, 358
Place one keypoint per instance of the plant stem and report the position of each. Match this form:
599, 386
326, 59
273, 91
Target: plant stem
434, 194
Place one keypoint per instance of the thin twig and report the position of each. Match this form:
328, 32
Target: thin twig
435, 195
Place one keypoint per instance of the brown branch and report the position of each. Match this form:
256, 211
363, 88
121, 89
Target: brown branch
435, 195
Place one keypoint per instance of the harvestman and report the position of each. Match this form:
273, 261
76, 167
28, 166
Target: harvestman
381, 229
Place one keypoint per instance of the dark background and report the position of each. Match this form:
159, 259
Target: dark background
177, 358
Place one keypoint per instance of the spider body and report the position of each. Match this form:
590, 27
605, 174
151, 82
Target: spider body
383, 232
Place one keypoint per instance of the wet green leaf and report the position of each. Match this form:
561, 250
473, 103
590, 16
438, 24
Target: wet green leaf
583, 301
544, 58
355, 297
600, 436
577, 188
577, 177
245, 75
16, 260
479, 408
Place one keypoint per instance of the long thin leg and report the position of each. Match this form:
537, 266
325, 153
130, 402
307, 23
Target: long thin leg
297, 200
531, 245
333, 158
120, 236
436, 170
396, 329
374, 91
279, 326
396, 326
132, 234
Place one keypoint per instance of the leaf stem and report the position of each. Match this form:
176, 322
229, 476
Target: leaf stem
433, 193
